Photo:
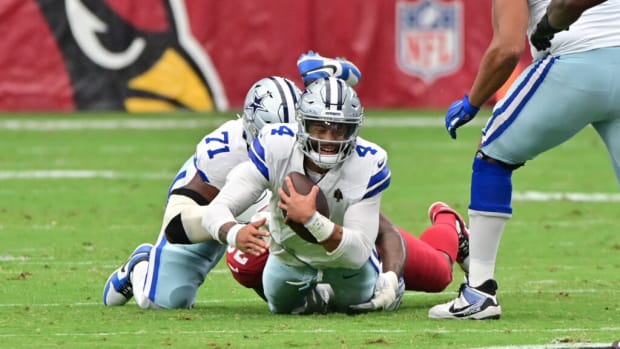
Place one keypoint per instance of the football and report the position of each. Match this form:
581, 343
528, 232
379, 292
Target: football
303, 184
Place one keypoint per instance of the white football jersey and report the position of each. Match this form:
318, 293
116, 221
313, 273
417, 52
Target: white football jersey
360, 178
216, 155
596, 28
219, 151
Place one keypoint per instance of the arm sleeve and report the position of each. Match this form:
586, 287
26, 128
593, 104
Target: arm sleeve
244, 185
182, 220
359, 232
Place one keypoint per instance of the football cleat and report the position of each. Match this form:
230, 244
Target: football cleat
313, 66
477, 303
118, 289
462, 258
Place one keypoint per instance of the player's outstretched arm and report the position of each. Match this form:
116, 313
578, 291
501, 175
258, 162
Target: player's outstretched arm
244, 185
184, 211
247, 238
388, 291
391, 246
510, 19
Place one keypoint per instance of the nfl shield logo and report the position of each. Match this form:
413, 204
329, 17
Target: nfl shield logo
429, 42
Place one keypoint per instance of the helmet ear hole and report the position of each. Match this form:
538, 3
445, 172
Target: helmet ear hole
329, 100
270, 100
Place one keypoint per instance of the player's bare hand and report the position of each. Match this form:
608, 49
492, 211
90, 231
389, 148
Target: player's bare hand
251, 239
299, 208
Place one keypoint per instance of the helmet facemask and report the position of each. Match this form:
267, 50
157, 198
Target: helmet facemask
328, 106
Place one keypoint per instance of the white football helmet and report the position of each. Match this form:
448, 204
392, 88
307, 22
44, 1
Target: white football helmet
270, 100
329, 101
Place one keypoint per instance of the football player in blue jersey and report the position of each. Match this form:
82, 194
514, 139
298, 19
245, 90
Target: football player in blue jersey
573, 82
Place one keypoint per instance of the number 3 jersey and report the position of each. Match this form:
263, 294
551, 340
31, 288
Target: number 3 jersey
352, 188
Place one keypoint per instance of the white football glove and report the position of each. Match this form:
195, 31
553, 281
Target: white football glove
388, 294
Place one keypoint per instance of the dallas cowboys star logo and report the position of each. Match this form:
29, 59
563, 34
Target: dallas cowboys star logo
257, 104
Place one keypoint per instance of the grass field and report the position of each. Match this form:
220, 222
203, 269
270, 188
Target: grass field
79, 191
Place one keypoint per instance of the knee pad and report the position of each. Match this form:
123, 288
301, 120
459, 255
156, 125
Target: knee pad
491, 187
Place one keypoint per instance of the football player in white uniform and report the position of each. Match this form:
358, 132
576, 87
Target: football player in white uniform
573, 82
168, 275
352, 173
425, 263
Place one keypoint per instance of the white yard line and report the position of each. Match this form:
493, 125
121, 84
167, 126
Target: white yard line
191, 123
80, 174
109, 174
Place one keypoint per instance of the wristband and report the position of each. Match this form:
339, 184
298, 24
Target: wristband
231, 236
468, 108
320, 226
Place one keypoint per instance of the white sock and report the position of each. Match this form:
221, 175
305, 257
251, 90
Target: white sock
486, 229
138, 278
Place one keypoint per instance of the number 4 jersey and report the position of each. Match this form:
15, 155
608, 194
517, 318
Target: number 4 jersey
353, 190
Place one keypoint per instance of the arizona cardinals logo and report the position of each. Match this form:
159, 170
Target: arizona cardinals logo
114, 64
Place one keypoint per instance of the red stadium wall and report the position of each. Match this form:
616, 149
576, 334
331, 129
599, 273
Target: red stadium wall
157, 55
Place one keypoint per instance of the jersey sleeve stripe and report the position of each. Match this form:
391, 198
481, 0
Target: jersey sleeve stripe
179, 176
383, 173
379, 182
257, 156
202, 175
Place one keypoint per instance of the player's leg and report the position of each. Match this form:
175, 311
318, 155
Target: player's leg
429, 261
118, 288
609, 127
286, 287
248, 271
550, 102
609, 131
313, 66
350, 286
175, 272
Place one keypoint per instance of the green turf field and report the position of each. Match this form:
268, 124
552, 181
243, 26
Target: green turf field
79, 192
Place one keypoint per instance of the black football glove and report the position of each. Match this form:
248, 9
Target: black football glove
541, 37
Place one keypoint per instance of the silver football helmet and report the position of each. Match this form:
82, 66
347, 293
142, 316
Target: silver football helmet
270, 100
329, 102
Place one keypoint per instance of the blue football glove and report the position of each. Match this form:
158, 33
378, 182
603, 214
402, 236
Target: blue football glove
459, 113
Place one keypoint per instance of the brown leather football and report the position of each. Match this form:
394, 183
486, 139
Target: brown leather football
303, 184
